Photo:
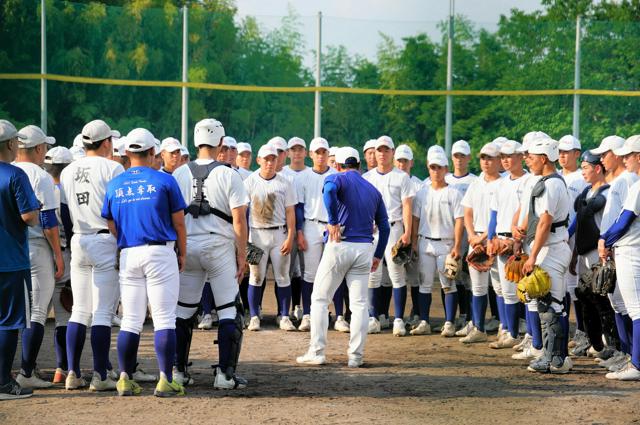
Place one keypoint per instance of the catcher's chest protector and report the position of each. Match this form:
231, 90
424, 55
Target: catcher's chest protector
532, 220
587, 231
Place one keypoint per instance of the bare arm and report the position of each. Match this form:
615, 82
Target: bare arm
177, 218
407, 218
239, 215
52, 236
31, 218
291, 230
458, 232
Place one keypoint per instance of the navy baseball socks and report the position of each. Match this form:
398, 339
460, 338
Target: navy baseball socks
127, 346
31, 343
450, 306
512, 318
76, 335
478, 310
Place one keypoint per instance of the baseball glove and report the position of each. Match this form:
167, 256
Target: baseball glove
584, 289
254, 254
536, 284
479, 260
513, 267
504, 246
452, 267
604, 278
401, 253
66, 298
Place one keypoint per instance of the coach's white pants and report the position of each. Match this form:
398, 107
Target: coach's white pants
396, 272
313, 234
432, 256
149, 272
270, 241
507, 288
342, 260
554, 259
212, 257
628, 273
94, 280
42, 280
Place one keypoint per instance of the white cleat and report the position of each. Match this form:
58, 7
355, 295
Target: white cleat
32, 382
305, 323
298, 314
254, 324
355, 363
97, 384
566, 367
222, 383
374, 326
141, 376
341, 325
182, 378
505, 341
399, 328
465, 329
423, 328
523, 343
628, 373
414, 321
311, 359
74, 382
580, 338
448, 330
206, 323
111, 373
528, 353
286, 324
474, 336
617, 356
621, 364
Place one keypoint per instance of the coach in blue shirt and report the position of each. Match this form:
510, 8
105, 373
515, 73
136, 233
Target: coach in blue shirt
353, 206
145, 211
20, 209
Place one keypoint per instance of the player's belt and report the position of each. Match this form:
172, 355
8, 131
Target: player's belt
434, 239
506, 234
319, 221
393, 223
153, 243
102, 232
270, 228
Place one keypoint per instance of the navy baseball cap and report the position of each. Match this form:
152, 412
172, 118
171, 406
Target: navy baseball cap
591, 158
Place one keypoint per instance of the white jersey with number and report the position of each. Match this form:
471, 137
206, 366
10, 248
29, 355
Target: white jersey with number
395, 186
618, 190
437, 210
460, 183
224, 191
269, 200
309, 186
575, 185
84, 183
44, 189
506, 200
478, 198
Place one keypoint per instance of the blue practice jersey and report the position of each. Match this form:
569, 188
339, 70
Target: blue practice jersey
16, 197
141, 201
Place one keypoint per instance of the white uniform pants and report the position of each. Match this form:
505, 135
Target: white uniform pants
396, 272
628, 273
149, 272
342, 260
507, 288
94, 280
61, 315
270, 242
212, 257
42, 280
313, 233
479, 281
571, 281
432, 256
554, 259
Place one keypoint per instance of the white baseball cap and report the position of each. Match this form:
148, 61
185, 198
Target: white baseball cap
438, 158
490, 149
318, 143
119, 148
77, 152
278, 142
333, 150
8, 131
569, 143
296, 141
32, 136
77, 141
184, 150
170, 144
95, 131
433, 149
244, 147
156, 148
545, 146
403, 152
384, 141
510, 147
116, 134
499, 141
229, 142
140, 140
461, 146
208, 132
266, 150
58, 155
346, 153
632, 144
528, 139
370, 144
609, 143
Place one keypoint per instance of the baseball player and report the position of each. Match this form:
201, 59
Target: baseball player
548, 237
119, 154
243, 160
503, 206
369, 151
476, 203
145, 212
311, 221
55, 160
397, 194
281, 147
20, 208
232, 144
94, 280
216, 248
272, 223
45, 254
353, 206
184, 153
77, 150
332, 157
171, 153
438, 222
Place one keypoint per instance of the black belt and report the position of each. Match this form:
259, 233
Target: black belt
431, 239
152, 243
102, 232
270, 228
556, 225
506, 234
319, 221
392, 224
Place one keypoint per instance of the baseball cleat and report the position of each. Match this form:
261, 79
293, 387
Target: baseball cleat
620, 364
59, 376
384, 322
374, 326
206, 323
465, 329
617, 355
414, 321
578, 339
127, 387
73, 382
97, 384
423, 328
286, 324
31, 382
448, 330
305, 323
164, 388
604, 354
492, 325
112, 374
399, 328
13, 391
526, 340
461, 321
580, 350
141, 376
529, 352
182, 378
298, 314
566, 367
628, 373
355, 363
221, 382
506, 341
312, 359
341, 325
254, 324
474, 336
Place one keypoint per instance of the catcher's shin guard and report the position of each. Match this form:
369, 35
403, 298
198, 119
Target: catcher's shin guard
552, 333
184, 335
230, 334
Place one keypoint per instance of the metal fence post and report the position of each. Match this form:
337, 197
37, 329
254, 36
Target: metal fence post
43, 66
449, 106
576, 83
317, 120
184, 137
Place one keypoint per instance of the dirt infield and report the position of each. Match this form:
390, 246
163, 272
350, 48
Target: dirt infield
420, 379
